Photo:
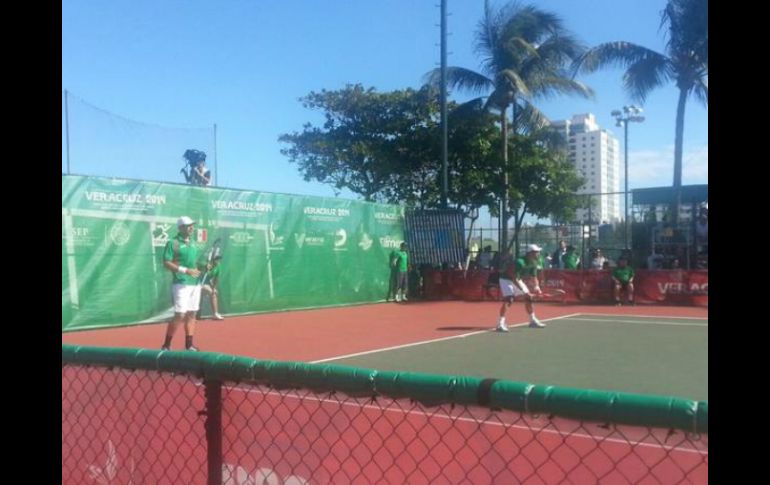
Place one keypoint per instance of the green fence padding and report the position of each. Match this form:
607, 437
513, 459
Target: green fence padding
428, 389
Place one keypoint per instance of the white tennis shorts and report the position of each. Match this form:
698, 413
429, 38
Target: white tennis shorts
508, 288
187, 298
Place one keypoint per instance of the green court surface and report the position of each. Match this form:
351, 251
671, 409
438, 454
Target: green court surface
649, 355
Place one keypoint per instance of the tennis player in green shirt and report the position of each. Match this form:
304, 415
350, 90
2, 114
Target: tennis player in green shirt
181, 258
526, 268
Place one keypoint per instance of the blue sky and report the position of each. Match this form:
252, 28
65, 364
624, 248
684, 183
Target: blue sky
243, 64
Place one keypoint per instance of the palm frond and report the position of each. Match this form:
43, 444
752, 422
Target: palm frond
701, 91
529, 119
468, 110
532, 24
560, 49
612, 54
515, 82
645, 75
461, 78
551, 85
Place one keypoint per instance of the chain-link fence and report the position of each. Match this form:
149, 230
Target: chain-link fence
139, 416
651, 239
102, 143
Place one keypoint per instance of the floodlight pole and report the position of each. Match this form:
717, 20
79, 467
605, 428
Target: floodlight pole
444, 131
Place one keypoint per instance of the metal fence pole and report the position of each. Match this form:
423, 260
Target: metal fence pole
214, 431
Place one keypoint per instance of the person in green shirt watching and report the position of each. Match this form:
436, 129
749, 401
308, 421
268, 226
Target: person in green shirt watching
400, 262
181, 258
209, 286
570, 259
623, 279
526, 268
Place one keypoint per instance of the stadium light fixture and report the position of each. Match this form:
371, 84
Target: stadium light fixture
622, 118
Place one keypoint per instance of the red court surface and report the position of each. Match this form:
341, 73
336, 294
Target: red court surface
273, 436
311, 335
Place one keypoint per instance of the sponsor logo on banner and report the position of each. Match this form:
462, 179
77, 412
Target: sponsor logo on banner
237, 475
340, 237
80, 236
303, 239
160, 234
328, 214
315, 240
554, 283
106, 474
241, 206
683, 289
389, 218
275, 240
124, 201
326, 211
366, 242
125, 198
119, 234
241, 238
390, 242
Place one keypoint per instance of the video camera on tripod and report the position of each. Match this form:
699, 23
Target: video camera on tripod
195, 171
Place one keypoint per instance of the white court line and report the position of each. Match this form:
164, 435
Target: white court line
632, 322
414, 344
642, 316
534, 429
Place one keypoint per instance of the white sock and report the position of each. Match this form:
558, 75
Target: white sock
532, 317
501, 321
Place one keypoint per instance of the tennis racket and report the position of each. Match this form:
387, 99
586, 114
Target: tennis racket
551, 294
211, 253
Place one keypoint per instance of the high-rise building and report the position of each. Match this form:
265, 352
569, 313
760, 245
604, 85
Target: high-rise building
595, 153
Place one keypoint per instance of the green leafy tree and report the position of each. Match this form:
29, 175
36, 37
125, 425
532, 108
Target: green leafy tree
525, 52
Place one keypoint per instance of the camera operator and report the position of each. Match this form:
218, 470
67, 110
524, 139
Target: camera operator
198, 173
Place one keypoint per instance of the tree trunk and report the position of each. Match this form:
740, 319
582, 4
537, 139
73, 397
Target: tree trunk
518, 221
504, 205
678, 142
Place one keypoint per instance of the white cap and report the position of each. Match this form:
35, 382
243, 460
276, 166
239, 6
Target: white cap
184, 221
533, 247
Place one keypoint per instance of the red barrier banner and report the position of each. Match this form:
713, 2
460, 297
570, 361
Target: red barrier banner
670, 287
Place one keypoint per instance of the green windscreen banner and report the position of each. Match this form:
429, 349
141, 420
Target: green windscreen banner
279, 251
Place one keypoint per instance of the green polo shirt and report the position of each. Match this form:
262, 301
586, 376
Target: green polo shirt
403, 260
186, 255
525, 269
571, 260
623, 275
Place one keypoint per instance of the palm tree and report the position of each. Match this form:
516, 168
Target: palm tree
524, 52
685, 62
